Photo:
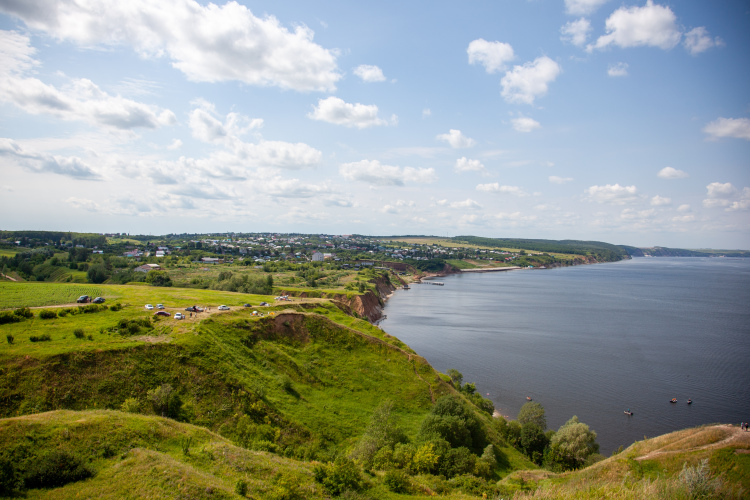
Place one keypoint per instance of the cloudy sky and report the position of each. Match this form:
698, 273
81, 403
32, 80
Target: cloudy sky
616, 120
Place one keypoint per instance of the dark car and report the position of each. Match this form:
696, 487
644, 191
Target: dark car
247, 305
98, 300
161, 313
83, 299
264, 303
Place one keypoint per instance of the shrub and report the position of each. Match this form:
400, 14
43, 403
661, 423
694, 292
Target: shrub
47, 314
115, 307
241, 488
11, 481
165, 401
396, 481
339, 476
63, 312
10, 338
41, 338
8, 317
56, 469
24, 312
698, 482
130, 405
78, 332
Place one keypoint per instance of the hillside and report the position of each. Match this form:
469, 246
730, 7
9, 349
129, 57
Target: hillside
113, 402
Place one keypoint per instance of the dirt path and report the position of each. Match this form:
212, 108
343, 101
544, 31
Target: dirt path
8, 277
736, 437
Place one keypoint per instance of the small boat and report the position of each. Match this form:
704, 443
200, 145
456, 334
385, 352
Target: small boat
689, 401
673, 400
629, 413
528, 398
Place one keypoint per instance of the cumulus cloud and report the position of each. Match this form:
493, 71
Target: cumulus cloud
174, 145
738, 128
369, 73
618, 69
720, 195
554, 179
697, 41
293, 188
612, 194
456, 139
337, 111
525, 124
660, 201
492, 55
671, 173
495, 187
208, 43
373, 172
80, 100
576, 32
468, 204
525, 83
466, 165
650, 25
69, 166
582, 7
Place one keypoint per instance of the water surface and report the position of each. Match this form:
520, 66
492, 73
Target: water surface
594, 340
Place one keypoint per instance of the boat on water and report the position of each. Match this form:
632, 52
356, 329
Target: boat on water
629, 413
528, 398
673, 400
689, 401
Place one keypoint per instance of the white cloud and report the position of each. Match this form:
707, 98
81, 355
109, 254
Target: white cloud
738, 128
727, 196
618, 69
671, 173
660, 201
373, 172
613, 194
174, 145
495, 187
525, 124
465, 165
559, 180
697, 41
79, 100
650, 25
369, 73
683, 208
456, 139
492, 55
466, 204
208, 43
69, 166
582, 7
525, 83
336, 111
426, 112
293, 188
576, 32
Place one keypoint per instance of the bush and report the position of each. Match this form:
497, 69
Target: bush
56, 469
47, 314
24, 312
78, 332
41, 338
130, 405
10, 338
397, 481
8, 317
115, 307
241, 488
339, 476
11, 481
165, 401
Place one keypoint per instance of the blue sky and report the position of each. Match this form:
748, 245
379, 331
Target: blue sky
627, 122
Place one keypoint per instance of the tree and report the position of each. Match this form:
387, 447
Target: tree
573, 443
456, 377
533, 413
382, 431
158, 278
533, 441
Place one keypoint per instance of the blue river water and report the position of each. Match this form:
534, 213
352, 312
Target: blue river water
594, 340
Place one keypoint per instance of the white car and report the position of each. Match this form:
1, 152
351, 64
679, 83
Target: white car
149, 307
160, 306
223, 308
179, 316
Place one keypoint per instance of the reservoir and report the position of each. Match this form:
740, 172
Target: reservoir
594, 340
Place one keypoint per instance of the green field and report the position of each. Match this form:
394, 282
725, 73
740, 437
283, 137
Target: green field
29, 294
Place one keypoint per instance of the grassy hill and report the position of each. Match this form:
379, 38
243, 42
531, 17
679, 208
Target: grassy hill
275, 398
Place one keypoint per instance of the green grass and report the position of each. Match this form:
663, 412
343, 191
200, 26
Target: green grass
8, 252
33, 294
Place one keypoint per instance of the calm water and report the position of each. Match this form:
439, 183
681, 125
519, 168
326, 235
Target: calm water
594, 340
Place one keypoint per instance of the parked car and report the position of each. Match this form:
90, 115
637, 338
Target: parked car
223, 308
247, 305
160, 306
192, 309
264, 303
83, 299
98, 300
162, 313
149, 307
179, 316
